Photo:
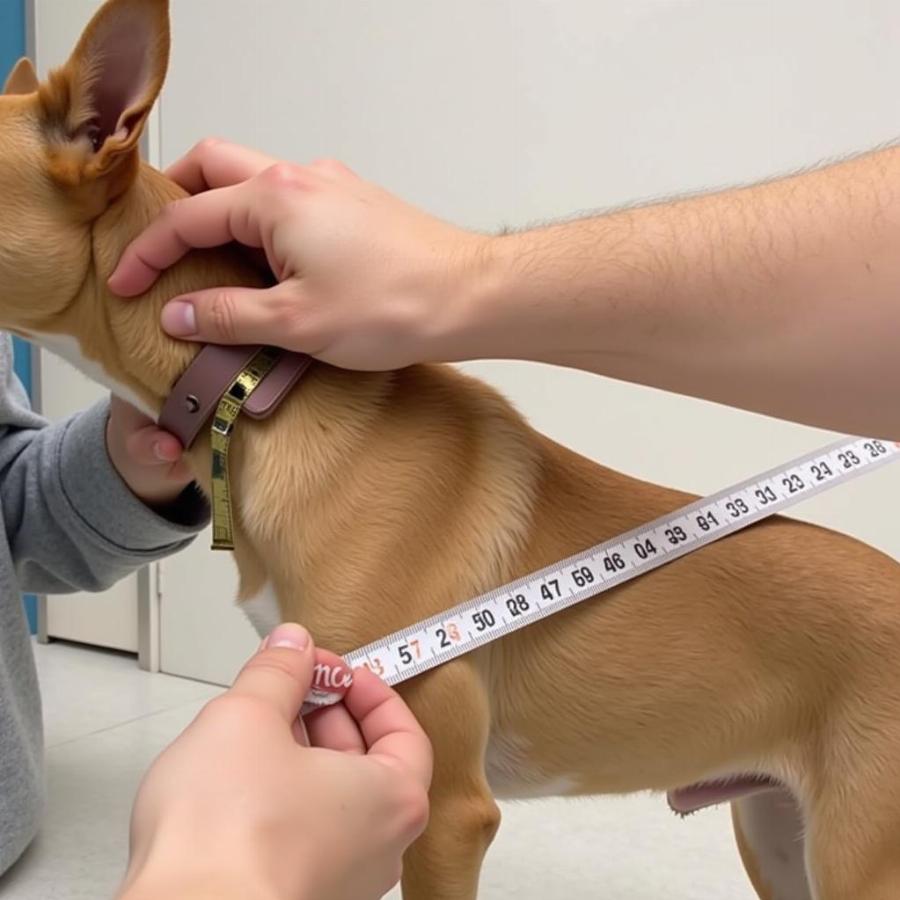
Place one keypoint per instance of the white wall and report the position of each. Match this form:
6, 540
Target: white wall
494, 113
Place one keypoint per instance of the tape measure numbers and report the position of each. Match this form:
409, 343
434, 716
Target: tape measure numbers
432, 642
226, 415
583, 576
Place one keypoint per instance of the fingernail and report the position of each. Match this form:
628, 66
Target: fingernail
294, 637
179, 319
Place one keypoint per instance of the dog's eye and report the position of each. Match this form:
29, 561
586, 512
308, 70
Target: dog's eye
94, 136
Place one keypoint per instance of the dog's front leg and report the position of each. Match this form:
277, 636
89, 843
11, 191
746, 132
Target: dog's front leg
445, 863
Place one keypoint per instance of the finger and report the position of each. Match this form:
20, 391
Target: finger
207, 220
151, 446
333, 728
214, 163
236, 315
388, 726
144, 442
281, 673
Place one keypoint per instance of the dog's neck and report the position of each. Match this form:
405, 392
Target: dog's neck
122, 339
121, 343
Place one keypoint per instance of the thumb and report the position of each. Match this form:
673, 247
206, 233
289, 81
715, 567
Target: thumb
281, 673
233, 315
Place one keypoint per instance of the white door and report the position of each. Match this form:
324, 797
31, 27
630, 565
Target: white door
108, 619
509, 112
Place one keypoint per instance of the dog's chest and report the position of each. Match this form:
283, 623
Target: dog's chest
512, 772
262, 610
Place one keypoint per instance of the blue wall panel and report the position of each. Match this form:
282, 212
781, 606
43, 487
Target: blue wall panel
12, 46
12, 33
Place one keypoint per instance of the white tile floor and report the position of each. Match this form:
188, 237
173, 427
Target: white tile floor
106, 720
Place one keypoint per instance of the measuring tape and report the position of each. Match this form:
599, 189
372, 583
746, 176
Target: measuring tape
227, 412
503, 610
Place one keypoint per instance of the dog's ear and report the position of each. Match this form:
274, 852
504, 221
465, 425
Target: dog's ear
97, 104
23, 79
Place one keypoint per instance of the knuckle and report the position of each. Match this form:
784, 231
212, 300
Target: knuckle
282, 665
222, 705
331, 166
206, 146
172, 210
283, 308
286, 314
230, 711
284, 176
223, 315
415, 810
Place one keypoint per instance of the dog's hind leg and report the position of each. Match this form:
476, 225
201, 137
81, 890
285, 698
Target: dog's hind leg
445, 863
769, 832
853, 838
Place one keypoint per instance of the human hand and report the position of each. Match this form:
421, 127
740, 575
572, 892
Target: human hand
241, 805
365, 280
148, 459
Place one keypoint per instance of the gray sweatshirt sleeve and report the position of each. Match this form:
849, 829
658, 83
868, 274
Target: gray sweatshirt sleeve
71, 522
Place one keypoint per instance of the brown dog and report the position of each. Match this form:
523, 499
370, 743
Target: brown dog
764, 669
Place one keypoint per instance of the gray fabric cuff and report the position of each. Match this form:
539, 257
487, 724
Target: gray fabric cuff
100, 499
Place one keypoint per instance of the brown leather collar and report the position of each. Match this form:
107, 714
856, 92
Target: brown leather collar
196, 394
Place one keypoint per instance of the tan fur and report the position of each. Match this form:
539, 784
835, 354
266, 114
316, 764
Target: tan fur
773, 651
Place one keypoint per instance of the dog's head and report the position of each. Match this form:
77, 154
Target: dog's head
68, 151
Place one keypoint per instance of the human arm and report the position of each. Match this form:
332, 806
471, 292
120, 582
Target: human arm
246, 803
781, 298
70, 519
